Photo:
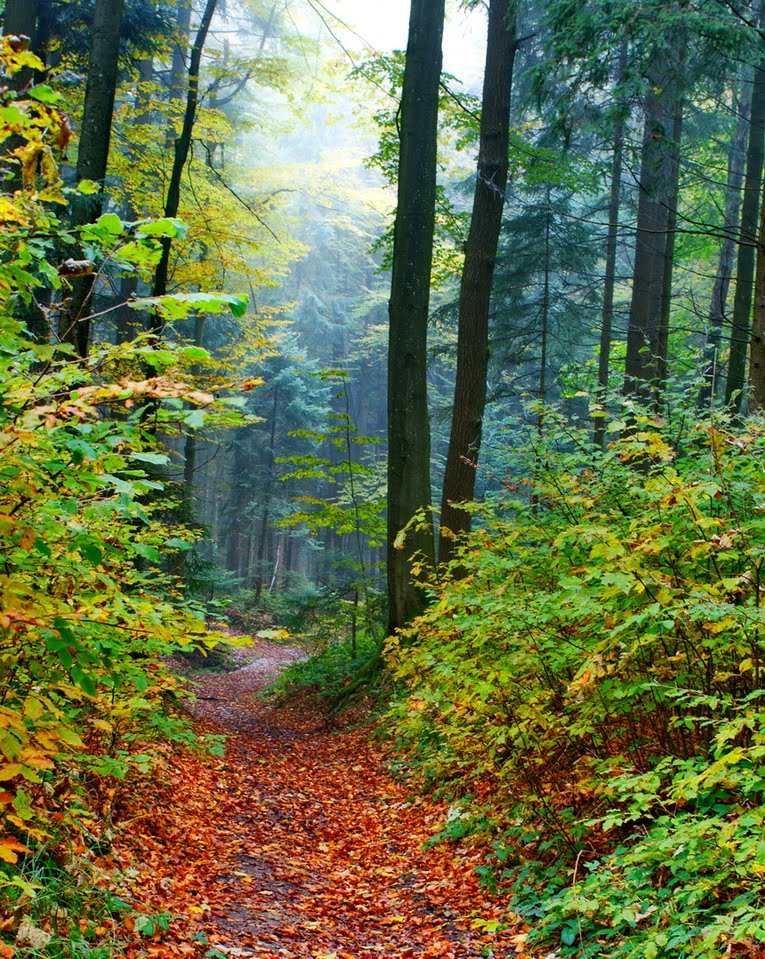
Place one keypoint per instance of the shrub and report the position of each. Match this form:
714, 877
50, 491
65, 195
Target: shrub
595, 681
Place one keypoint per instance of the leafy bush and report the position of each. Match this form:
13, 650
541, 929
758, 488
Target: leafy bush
88, 598
595, 681
329, 668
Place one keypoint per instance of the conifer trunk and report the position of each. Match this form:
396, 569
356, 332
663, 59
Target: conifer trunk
477, 275
609, 279
181, 152
659, 171
408, 424
745, 261
93, 155
724, 273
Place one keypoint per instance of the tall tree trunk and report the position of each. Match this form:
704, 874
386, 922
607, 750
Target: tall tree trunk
612, 240
28, 18
477, 274
181, 152
545, 318
669, 258
125, 318
718, 304
264, 527
93, 155
658, 178
191, 446
745, 262
757, 348
408, 425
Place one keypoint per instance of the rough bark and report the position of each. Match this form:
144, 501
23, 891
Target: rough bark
477, 275
658, 190
745, 261
93, 155
408, 425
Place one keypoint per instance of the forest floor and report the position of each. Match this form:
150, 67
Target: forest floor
299, 843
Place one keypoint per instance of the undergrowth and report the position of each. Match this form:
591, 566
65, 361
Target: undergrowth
592, 690
328, 669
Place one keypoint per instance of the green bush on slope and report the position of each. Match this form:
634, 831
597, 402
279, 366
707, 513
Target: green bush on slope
595, 684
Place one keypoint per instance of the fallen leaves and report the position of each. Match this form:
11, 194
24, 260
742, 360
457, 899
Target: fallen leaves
298, 844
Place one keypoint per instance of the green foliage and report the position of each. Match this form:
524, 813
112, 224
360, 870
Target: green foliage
329, 667
355, 509
89, 601
595, 681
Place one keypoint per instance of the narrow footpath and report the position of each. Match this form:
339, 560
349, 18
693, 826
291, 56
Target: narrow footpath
299, 843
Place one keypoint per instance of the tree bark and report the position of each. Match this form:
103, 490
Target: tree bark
28, 18
181, 153
669, 257
658, 185
93, 155
477, 276
612, 240
408, 425
724, 273
745, 262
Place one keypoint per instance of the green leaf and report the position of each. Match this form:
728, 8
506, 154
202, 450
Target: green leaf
165, 226
88, 187
44, 94
147, 552
177, 306
111, 223
157, 459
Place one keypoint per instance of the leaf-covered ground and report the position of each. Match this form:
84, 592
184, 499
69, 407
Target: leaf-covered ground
298, 843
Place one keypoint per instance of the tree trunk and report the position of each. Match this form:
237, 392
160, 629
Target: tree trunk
191, 446
609, 279
408, 425
181, 154
669, 258
264, 528
658, 184
718, 304
93, 155
28, 18
477, 275
127, 322
745, 263
545, 324
757, 349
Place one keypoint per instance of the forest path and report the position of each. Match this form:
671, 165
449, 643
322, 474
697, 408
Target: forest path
300, 844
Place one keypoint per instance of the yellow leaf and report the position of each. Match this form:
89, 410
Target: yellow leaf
9, 847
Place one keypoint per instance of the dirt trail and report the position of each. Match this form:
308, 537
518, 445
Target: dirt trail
300, 844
